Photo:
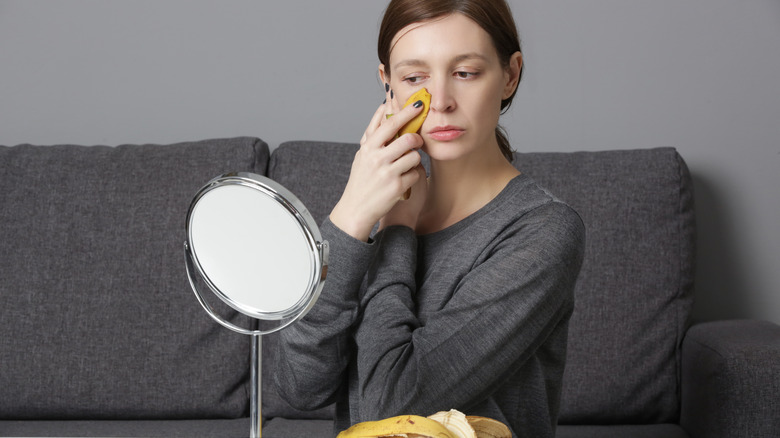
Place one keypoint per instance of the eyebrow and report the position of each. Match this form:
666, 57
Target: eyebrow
457, 59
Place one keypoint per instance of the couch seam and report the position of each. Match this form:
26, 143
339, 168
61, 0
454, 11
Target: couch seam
678, 328
258, 144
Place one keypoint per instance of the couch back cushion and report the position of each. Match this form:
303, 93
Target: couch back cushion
635, 290
97, 319
634, 293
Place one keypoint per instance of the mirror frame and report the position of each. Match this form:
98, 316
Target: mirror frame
317, 249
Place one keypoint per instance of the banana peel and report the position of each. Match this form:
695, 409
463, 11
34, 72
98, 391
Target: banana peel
414, 125
486, 427
444, 424
400, 426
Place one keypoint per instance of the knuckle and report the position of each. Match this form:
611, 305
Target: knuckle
398, 121
417, 158
397, 185
384, 173
412, 140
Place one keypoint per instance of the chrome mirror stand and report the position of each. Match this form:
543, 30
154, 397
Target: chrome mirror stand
284, 210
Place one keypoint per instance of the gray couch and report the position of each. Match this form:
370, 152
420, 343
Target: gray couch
100, 334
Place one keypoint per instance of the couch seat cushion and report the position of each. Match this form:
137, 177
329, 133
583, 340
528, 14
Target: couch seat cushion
622, 431
129, 428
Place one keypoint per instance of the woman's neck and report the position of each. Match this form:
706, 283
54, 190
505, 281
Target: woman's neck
459, 188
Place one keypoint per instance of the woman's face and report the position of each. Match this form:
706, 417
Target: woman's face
454, 58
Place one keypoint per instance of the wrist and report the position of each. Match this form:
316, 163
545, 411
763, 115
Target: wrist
351, 224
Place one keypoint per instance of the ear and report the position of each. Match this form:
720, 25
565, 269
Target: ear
512, 74
385, 80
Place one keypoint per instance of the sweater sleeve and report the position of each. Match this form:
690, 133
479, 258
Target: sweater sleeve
499, 314
314, 352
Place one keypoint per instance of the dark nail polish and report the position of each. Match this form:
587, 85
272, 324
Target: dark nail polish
391, 94
417, 104
384, 101
387, 87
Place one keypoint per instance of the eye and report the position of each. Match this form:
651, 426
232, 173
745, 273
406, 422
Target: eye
414, 79
466, 74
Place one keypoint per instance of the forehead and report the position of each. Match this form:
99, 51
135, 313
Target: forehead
441, 38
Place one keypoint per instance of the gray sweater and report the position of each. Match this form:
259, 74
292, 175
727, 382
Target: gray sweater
473, 317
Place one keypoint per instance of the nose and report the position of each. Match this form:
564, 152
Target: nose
442, 97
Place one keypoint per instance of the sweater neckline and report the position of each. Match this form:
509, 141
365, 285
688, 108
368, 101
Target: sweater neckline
457, 227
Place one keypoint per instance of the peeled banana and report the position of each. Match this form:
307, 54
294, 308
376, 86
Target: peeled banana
456, 422
444, 424
414, 125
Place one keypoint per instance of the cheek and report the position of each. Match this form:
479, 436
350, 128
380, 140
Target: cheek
485, 106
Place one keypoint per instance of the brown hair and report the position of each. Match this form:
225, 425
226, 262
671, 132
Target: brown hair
493, 16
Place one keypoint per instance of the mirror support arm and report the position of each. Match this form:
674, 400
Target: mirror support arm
255, 401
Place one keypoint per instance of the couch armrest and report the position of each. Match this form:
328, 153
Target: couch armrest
731, 379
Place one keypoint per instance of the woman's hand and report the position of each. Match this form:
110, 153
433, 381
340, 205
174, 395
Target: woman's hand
408, 212
383, 169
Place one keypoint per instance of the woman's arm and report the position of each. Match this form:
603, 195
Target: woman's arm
500, 313
314, 352
383, 169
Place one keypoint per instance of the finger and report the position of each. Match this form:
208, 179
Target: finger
395, 106
390, 127
385, 132
376, 120
386, 112
403, 145
408, 161
387, 102
388, 97
412, 176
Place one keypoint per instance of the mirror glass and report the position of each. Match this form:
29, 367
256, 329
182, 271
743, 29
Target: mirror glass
253, 247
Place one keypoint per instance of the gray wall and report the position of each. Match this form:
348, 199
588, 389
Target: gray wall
700, 75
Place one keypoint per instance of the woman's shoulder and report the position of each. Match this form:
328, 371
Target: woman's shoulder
526, 195
529, 205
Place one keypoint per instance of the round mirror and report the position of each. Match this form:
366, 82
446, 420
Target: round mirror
256, 247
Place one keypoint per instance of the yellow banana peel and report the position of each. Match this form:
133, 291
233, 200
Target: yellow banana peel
444, 424
414, 125
402, 425
486, 427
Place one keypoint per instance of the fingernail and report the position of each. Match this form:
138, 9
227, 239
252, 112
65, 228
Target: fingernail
384, 101
417, 104
387, 87
391, 94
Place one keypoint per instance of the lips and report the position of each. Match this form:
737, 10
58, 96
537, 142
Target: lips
445, 133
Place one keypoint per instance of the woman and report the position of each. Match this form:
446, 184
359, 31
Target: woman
463, 296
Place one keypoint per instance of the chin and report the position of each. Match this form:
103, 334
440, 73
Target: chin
446, 151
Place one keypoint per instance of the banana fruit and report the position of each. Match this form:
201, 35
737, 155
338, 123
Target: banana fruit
456, 422
414, 125
444, 424
400, 426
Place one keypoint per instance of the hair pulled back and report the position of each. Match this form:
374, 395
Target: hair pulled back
494, 16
